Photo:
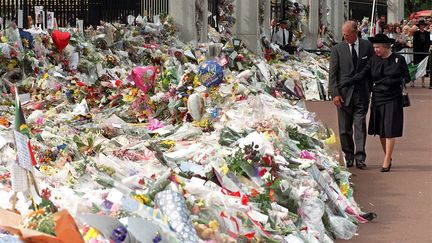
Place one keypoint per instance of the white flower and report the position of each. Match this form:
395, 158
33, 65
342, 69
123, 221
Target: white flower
266, 176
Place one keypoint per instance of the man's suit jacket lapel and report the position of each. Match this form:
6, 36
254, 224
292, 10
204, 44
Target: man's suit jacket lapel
362, 50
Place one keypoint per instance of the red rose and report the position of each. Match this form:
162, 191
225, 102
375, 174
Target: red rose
267, 160
81, 84
245, 199
262, 172
250, 236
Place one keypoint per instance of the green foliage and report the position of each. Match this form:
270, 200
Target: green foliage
228, 136
412, 6
88, 148
108, 183
46, 204
235, 162
165, 79
304, 140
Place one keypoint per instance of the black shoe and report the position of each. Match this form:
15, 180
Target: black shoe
384, 169
349, 162
369, 216
360, 164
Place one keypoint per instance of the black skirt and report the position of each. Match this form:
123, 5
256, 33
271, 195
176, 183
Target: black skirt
386, 120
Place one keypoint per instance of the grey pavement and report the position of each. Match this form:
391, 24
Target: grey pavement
402, 198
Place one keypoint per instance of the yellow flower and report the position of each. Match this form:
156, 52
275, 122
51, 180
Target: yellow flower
12, 65
144, 199
128, 98
344, 188
168, 143
196, 82
203, 123
201, 203
131, 96
44, 168
235, 86
58, 95
91, 234
229, 78
201, 59
45, 76
225, 169
214, 225
3, 39
133, 92
331, 140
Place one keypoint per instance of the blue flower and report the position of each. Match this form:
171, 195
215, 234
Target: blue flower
157, 239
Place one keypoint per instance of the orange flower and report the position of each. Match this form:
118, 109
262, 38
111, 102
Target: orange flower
254, 192
272, 195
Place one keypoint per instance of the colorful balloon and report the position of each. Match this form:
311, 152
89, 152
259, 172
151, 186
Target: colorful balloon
210, 74
143, 77
60, 39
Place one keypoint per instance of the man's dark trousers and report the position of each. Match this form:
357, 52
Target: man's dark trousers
349, 116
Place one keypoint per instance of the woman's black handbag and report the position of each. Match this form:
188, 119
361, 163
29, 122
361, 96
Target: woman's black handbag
406, 100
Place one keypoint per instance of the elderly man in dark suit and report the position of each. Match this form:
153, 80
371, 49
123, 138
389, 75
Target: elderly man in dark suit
352, 102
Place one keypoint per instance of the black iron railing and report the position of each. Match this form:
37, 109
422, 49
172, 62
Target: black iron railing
90, 11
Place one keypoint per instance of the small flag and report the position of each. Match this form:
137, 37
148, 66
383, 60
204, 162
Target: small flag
418, 70
26, 158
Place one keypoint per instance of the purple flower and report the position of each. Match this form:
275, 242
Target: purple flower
107, 204
119, 234
157, 239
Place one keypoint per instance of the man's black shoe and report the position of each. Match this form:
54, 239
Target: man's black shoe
360, 164
369, 216
349, 162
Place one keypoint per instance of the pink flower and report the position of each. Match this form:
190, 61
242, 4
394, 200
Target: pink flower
115, 207
155, 124
307, 155
40, 121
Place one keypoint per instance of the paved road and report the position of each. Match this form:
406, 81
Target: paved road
402, 198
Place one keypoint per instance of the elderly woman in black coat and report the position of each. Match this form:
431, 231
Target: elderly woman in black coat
387, 72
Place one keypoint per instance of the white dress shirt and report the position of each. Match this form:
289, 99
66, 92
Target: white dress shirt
278, 37
356, 47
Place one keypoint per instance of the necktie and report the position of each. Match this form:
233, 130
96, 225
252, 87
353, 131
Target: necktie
354, 54
283, 37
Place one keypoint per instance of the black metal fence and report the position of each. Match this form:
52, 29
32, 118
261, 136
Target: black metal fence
279, 9
213, 8
90, 11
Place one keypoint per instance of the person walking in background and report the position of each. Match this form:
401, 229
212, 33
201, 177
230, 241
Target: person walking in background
421, 43
388, 72
352, 102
